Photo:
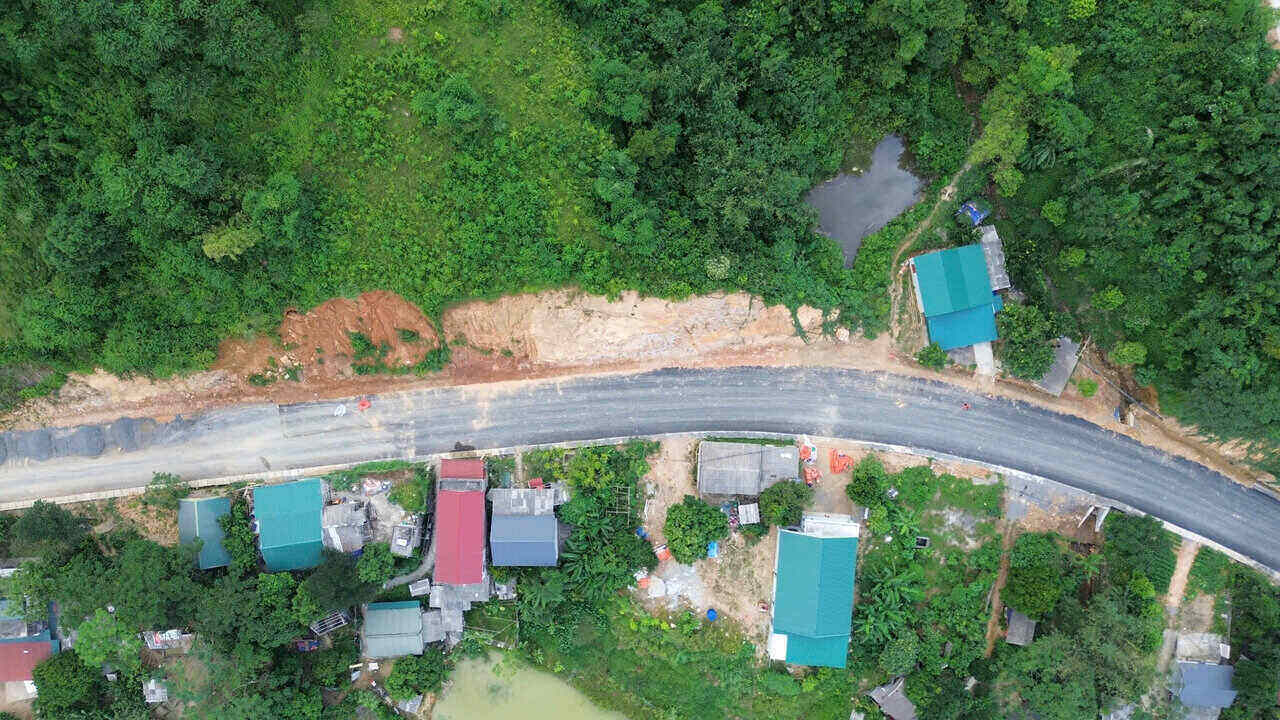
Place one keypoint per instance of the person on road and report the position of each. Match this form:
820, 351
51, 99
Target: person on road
965, 406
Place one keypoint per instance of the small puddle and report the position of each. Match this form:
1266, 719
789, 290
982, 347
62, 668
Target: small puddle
851, 207
477, 692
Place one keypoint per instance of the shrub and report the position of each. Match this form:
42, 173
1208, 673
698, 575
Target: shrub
415, 675
690, 526
1035, 575
376, 564
899, 656
868, 483
784, 502
1137, 544
1087, 387
165, 490
933, 356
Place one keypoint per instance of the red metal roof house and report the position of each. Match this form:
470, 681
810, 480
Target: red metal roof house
18, 659
460, 536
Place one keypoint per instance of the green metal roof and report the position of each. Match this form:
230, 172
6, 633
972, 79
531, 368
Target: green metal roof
951, 280
393, 629
288, 516
813, 597
198, 518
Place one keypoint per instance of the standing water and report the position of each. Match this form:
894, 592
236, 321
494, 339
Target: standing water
851, 207
476, 692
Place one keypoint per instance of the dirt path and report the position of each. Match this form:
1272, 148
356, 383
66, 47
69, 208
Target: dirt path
1173, 601
997, 607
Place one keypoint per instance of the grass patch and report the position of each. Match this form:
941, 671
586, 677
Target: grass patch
1210, 573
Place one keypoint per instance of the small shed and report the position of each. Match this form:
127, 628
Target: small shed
1204, 685
893, 700
739, 468
524, 541
393, 629
748, 513
459, 537
420, 588
198, 520
1022, 629
289, 524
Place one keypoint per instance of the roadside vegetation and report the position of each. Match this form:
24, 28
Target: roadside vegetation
174, 176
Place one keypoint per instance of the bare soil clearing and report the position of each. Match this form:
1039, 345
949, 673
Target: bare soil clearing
551, 334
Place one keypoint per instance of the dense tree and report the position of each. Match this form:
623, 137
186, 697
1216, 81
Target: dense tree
1035, 575
783, 503
336, 583
104, 639
376, 564
416, 675
691, 525
1024, 341
65, 685
869, 482
48, 530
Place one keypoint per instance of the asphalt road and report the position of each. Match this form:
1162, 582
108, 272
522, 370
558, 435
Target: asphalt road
873, 407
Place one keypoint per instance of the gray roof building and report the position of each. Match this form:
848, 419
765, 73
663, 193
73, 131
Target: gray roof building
893, 700
993, 253
393, 629
524, 541
406, 536
1022, 629
732, 468
1204, 685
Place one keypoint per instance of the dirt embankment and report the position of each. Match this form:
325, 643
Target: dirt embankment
549, 334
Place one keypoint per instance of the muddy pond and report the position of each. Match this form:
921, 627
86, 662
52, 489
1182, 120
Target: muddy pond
482, 689
861, 200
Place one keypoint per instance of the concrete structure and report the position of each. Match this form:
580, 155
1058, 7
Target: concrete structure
392, 629
813, 594
288, 518
198, 520
154, 691
993, 253
893, 700
407, 536
954, 292
1022, 629
1066, 354
731, 468
345, 526
524, 541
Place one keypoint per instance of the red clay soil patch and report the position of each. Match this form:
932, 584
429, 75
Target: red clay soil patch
320, 340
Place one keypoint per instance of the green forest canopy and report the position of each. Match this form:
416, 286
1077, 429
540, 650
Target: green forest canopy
172, 173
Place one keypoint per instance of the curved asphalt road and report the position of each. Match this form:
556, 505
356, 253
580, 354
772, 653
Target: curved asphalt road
873, 407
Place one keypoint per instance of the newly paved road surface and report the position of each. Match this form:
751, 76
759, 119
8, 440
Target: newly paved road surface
851, 404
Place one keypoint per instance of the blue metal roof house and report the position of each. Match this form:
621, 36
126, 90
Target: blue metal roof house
198, 519
289, 524
956, 295
813, 599
524, 541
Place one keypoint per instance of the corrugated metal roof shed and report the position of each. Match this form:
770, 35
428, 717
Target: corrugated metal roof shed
465, 469
993, 253
1205, 685
524, 541
523, 501
732, 468
1022, 629
18, 659
813, 597
198, 518
393, 629
289, 516
893, 700
459, 537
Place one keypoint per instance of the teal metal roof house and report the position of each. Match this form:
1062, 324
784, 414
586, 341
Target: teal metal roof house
813, 599
198, 519
288, 518
955, 293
